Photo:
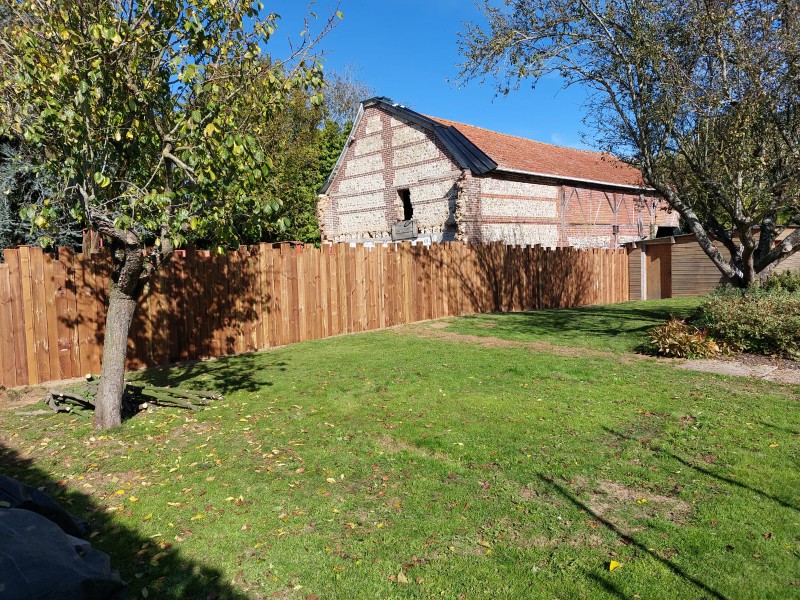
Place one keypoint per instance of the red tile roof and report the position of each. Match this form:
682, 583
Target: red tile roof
521, 154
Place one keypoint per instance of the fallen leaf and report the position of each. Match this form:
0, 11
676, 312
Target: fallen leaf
401, 578
613, 565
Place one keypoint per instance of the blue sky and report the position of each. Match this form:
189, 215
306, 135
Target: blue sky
407, 50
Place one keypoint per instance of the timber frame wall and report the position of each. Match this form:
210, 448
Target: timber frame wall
52, 307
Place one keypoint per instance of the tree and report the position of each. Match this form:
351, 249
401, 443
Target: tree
138, 111
702, 95
307, 139
344, 92
22, 195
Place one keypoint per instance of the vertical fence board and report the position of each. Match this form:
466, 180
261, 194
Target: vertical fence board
277, 318
258, 292
288, 296
51, 315
39, 300
100, 268
63, 312
20, 348
8, 371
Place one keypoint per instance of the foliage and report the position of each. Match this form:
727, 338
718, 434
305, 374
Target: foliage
344, 92
307, 146
677, 339
475, 470
140, 112
703, 96
759, 321
784, 281
142, 115
22, 193
306, 140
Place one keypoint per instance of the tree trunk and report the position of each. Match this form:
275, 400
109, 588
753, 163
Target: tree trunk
124, 290
108, 410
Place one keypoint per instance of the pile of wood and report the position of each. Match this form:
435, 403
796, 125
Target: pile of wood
136, 397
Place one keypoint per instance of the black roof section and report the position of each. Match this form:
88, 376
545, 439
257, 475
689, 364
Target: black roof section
467, 154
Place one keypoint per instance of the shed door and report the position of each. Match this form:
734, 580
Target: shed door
659, 271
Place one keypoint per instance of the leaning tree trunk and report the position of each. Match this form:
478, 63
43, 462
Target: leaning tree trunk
124, 290
108, 411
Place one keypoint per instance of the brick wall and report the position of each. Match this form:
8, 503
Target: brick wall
387, 154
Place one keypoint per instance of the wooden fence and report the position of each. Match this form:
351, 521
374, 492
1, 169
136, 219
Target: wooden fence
52, 309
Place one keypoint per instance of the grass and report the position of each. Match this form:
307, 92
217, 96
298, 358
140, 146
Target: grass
387, 465
613, 328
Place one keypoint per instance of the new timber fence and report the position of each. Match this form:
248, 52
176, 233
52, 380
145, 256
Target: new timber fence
52, 307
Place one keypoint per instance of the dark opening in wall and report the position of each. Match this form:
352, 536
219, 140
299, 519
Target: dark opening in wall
405, 198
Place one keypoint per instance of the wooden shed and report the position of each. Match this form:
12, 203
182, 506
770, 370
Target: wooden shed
675, 267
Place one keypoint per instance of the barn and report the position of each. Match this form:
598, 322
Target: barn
403, 175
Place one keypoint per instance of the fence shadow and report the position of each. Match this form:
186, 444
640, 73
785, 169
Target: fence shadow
244, 372
177, 577
507, 279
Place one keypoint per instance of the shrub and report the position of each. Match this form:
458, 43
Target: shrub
678, 339
757, 320
787, 281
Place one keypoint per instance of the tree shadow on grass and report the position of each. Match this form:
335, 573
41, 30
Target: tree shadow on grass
245, 372
778, 427
700, 469
605, 584
676, 569
175, 577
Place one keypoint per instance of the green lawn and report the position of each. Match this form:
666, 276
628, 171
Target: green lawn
389, 465
615, 328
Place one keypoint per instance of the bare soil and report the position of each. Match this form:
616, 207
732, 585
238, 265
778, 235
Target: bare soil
20, 398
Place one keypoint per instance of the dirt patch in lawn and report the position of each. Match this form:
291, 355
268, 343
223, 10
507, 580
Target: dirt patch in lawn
17, 398
393, 445
21, 397
627, 508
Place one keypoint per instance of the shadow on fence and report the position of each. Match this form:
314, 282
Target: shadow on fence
52, 310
